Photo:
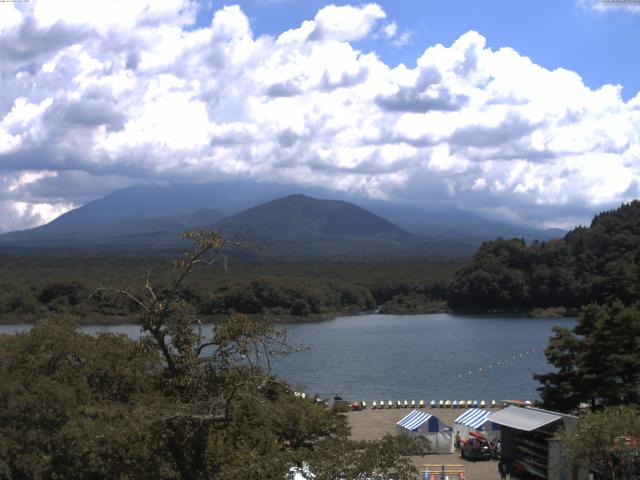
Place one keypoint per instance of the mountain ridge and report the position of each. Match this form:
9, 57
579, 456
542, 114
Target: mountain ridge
155, 216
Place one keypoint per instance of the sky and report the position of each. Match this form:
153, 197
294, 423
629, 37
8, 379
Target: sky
527, 112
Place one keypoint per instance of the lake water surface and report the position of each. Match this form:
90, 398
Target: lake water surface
391, 357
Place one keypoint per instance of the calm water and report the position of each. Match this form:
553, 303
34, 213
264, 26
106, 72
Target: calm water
383, 357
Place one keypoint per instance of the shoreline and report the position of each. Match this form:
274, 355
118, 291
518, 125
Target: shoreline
97, 319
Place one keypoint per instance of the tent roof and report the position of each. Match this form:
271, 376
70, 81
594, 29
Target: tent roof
522, 418
414, 420
473, 418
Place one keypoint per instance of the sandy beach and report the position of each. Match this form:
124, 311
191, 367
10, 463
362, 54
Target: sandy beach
373, 424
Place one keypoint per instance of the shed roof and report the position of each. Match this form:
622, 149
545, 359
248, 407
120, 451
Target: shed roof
522, 418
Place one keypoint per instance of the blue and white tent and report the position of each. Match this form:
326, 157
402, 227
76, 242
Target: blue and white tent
421, 423
416, 419
474, 419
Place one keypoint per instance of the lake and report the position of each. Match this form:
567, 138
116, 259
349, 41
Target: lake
398, 357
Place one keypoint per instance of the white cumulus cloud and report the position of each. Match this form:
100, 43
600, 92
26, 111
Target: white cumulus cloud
123, 92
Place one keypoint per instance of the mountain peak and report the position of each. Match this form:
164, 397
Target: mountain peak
299, 216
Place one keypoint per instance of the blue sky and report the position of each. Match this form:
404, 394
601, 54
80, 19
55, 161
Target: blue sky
527, 112
601, 44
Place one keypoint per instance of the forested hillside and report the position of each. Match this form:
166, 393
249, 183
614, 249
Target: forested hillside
35, 286
594, 264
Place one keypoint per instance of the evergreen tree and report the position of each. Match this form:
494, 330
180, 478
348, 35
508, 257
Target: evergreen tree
597, 362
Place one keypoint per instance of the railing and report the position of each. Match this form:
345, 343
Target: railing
442, 472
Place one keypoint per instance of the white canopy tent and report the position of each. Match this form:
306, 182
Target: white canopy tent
420, 423
472, 420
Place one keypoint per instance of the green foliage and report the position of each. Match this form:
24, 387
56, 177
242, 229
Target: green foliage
179, 403
596, 264
283, 296
597, 362
77, 285
75, 406
609, 440
382, 459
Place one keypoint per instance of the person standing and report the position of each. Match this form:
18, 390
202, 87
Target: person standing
456, 443
503, 469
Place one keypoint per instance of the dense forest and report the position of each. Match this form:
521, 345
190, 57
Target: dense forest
595, 264
36, 285
175, 404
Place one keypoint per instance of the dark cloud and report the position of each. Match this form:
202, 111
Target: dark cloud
133, 59
317, 35
346, 80
286, 89
633, 190
410, 100
510, 129
231, 139
49, 157
70, 186
469, 62
287, 138
28, 41
429, 93
86, 113
522, 211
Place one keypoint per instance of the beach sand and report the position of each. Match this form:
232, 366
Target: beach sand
374, 424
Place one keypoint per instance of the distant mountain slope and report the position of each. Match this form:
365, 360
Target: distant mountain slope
445, 221
159, 201
122, 232
298, 217
436, 221
155, 215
